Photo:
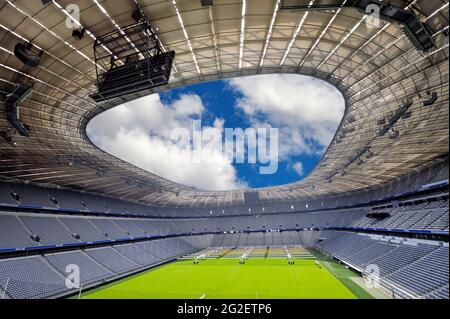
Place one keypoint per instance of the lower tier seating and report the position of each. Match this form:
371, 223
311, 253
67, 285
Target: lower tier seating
44, 276
420, 269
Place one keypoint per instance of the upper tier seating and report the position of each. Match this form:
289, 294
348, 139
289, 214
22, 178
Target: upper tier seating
84, 228
5, 195
108, 228
13, 234
430, 215
49, 229
129, 228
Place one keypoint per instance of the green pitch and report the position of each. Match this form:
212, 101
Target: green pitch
226, 278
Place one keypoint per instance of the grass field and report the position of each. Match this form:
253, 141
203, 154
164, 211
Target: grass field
225, 278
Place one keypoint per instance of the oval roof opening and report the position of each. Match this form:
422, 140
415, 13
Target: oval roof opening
248, 132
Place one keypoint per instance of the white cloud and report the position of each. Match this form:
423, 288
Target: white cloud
298, 168
307, 111
148, 114
139, 132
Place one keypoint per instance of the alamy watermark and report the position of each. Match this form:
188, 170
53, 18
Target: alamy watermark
73, 276
252, 146
73, 20
373, 16
372, 277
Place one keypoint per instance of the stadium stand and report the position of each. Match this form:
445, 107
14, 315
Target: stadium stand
418, 277
65, 199
154, 250
5, 195
136, 254
429, 215
90, 270
392, 255
82, 227
108, 228
289, 238
49, 230
112, 259
207, 253
299, 252
416, 268
82, 203
440, 293
258, 252
276, 252
29, 278
131, 229
12, 233
30, 195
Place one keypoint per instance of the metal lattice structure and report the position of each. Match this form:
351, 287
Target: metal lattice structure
377, 69
130, 60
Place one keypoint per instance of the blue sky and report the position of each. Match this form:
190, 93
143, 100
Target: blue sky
306, 111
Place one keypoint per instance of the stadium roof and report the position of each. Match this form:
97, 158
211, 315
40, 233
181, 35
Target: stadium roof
378, 70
